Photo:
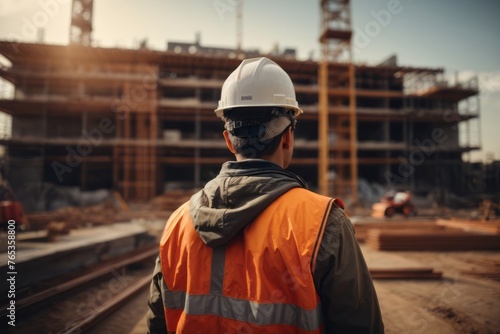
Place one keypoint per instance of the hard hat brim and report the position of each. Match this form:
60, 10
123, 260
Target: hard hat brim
220, 111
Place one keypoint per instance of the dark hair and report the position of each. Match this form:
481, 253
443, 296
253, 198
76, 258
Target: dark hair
252, 146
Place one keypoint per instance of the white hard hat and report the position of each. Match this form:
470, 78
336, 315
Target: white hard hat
258, 82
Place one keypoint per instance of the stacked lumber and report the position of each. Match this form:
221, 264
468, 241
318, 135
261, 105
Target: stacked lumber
362, 228
417, 240
489, 269
405, 273
490, 226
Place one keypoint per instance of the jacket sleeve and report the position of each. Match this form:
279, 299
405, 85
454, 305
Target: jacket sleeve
343, 282
156, 316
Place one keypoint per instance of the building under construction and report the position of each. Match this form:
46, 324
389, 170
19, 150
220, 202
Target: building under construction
142, 121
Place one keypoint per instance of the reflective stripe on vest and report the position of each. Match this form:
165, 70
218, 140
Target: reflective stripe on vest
240, 309
212, 286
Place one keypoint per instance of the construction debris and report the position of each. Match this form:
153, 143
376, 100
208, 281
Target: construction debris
170, 201
105, 213
56, 229
113, 210
490, 209
120, 201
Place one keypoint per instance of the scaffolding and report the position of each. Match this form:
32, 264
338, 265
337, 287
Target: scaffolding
165, 135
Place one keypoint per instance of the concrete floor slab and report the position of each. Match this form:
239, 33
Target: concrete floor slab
37, 259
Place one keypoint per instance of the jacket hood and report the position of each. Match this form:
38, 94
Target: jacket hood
240, 192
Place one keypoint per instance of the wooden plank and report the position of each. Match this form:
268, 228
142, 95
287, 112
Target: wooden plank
405, 273
362, 228
472, 225
444, 240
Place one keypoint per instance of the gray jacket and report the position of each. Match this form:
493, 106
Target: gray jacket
235, 197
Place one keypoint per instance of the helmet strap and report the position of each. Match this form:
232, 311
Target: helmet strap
246, 129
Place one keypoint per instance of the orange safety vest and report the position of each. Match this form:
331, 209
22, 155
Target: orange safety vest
260, 282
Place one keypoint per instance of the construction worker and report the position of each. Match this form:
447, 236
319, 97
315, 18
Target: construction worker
254, 251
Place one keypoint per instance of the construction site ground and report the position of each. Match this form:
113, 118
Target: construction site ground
458, 302
455, 304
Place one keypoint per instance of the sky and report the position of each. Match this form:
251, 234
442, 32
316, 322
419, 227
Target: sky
461, 36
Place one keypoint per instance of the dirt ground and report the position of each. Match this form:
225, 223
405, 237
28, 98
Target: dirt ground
457, 303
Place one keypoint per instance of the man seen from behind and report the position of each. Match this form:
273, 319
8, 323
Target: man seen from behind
254, 251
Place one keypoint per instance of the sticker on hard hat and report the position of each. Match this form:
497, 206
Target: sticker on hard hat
246, 97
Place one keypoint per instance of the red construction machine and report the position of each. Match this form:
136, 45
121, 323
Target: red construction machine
394, 202
11, 210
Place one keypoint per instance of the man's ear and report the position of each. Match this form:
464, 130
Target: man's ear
287, 138
228, 142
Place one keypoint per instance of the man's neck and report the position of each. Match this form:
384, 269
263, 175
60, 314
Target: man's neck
275, 158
